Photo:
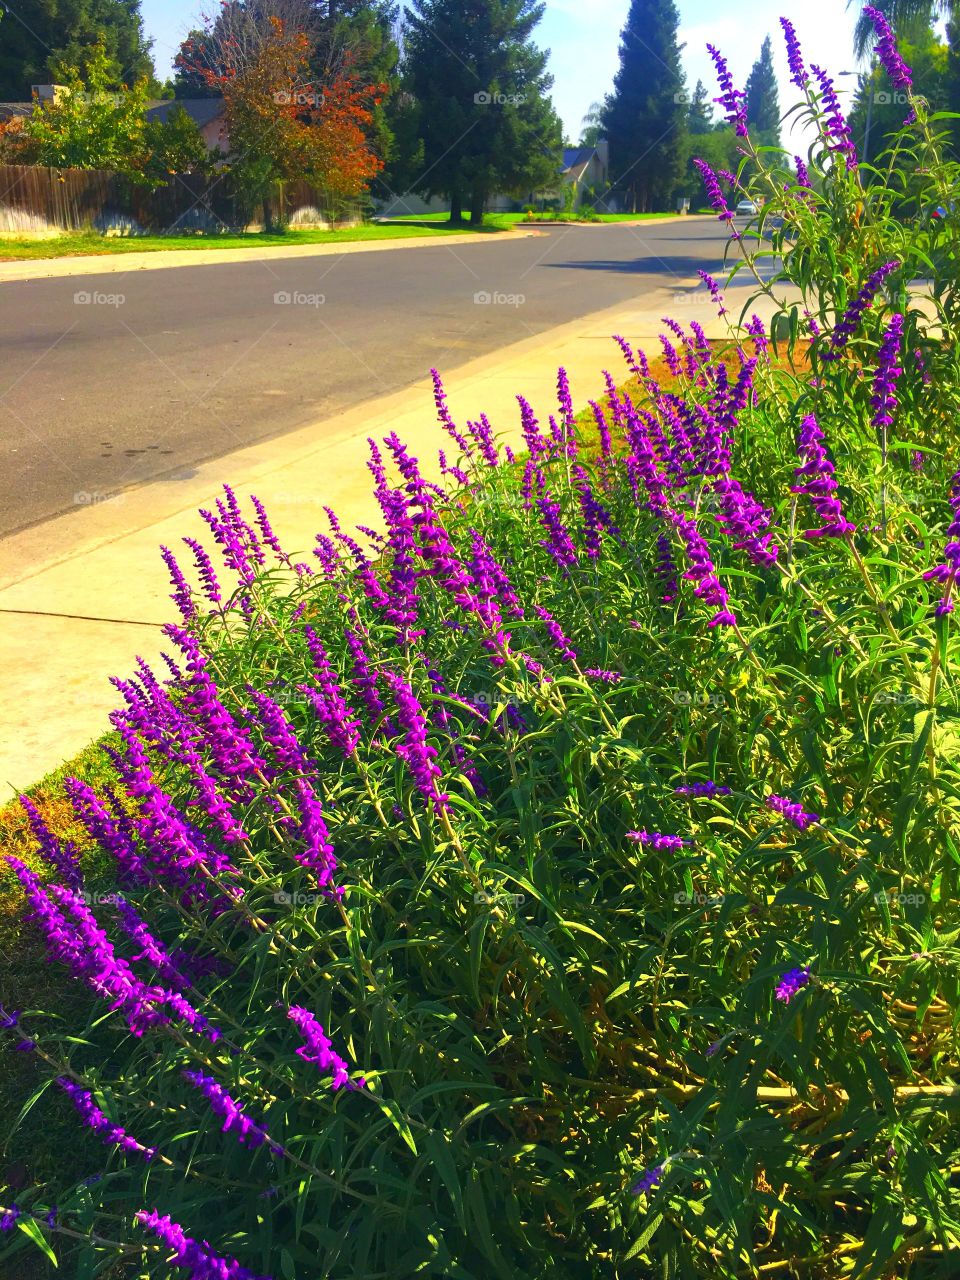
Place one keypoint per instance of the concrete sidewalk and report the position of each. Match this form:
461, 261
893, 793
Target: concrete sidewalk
82, 594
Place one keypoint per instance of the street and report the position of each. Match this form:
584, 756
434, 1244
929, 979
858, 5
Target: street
111, 380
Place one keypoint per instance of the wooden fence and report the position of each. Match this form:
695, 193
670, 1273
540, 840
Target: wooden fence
35, 199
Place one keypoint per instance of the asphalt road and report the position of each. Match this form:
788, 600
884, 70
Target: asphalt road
164, 369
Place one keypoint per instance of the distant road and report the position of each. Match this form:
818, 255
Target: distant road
197, 361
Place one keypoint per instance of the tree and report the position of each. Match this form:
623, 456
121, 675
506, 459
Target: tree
175, 145
762, 99
718, 147
700, 115
41, 38
591, 126
952, 79
644, 117
480, 87
90, 126
283, 127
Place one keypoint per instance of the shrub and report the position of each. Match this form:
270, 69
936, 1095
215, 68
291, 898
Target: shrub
562, 885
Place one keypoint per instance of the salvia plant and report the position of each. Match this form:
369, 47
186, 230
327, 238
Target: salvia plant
559, 880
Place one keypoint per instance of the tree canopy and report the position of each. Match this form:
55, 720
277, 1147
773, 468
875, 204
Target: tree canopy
42, 38
645, 116
479, 88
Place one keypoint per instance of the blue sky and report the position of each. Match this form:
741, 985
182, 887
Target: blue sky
583, 36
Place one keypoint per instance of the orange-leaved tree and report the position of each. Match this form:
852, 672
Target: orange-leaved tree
283, 126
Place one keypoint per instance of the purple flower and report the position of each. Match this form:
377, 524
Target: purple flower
198, 1256
318, 854
758, 333
649, 1180
792, 811
110, 1133
666, 571
182, 594
798, 73
850, 320
708, 789
791, 982
886, 51
836, 130
702, 572
338, 719
235, 1119
668, 844
8, 1217
319, 1050
745, 521
608, 677
151, 950
732, 100
443, 413
63, 858
8, 1020
558, 543
269, 537
555, 632
884, 398
715, 293
818, 483
947, 571
803, 178
714, 194
415, 749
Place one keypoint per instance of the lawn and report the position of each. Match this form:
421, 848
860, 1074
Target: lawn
86, 244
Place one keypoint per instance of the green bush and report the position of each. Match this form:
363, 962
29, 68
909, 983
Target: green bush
605, 816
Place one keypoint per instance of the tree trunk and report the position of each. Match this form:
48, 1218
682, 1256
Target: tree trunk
456, 207
476, 209
267, 218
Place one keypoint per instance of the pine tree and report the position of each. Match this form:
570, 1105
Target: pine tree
700, 115
41, 37
480, 88
763, 102
644, 118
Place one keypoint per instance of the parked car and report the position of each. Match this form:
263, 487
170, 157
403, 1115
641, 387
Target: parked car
747, 208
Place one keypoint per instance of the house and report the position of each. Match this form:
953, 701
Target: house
209, 115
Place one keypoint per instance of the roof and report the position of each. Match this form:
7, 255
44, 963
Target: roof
11, 110
202, 110
573, 157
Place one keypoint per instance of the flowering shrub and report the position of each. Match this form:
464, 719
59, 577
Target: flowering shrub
558, 883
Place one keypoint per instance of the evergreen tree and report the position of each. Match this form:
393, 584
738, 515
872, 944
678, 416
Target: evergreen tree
645, 116
952, 80
763, 102
42, 37
700, 115
480, 88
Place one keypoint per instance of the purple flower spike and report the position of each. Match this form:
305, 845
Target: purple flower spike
715, 293
850, 320
818, 483
197, 1255
555, 632
792, 811
102, 1125
649, 1180
235, 1119
950, 568
415, 749
63, 858
714, 194
791, 983
732, 100
798, 72
666, 844
708, 789
886, 51
884, 398
836, 129
319, 1050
